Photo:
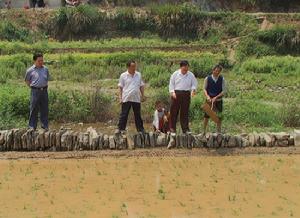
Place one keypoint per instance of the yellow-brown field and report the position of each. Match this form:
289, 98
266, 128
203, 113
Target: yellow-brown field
232, 186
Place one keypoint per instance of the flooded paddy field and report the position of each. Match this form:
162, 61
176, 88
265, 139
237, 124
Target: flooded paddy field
169, 185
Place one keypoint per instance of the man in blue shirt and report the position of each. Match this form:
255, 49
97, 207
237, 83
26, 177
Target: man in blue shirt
214, 90
36, 78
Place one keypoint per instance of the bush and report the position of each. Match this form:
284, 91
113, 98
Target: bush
14, 102
250, 47
67, 106
196, 112
185, 21
151, 71
239, 24
14, 67
278, 40
203, 65
285, 39
77, 106
271, 64
177, 20
162, 80
290, 113
244, 112
131, 21
10, 32
77, 22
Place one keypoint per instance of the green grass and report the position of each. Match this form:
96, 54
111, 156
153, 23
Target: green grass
66, 105
279, 40
82, 85
263, 80
147, 42
80, 67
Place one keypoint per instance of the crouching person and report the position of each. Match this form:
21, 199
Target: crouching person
36, 78
161, 118
214, 90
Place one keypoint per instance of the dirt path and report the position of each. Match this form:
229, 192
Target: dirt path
156, 152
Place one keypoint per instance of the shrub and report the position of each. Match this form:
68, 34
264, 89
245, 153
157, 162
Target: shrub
271, 64
10, 32
203, 65
238, 24
285, 39
162, 80
152, 71
177, 20
77, 22
63, 105
278, 40
290, 113
251, 47
244, 112
196, 112
131, 21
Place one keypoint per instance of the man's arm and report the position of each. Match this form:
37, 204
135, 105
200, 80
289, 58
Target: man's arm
205, 91
142, 89
121, 85
27, 78
120, 94
48, 75
194, 86
27, 83
172, 86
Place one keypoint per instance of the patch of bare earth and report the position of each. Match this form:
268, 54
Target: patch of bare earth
155, 152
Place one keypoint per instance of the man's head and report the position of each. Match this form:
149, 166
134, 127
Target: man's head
131, 66
159, 105
38, 59
184, 66
217, 70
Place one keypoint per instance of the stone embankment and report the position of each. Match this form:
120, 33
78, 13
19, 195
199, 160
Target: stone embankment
69, 140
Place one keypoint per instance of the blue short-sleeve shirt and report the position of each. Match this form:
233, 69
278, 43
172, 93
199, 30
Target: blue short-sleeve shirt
38, 77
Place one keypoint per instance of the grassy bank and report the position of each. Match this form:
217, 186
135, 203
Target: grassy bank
262, 94
88, 22
86, 50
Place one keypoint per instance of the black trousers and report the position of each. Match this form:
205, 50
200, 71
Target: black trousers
137, 115
181, 106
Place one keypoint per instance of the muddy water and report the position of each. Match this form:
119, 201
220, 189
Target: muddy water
236, 186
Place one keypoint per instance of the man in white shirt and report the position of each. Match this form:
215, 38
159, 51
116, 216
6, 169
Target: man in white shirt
183, 85
131, 93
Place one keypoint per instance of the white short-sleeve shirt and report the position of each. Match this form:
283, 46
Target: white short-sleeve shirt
131, 85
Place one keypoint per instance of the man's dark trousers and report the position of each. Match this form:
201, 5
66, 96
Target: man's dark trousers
38, 103
182, 104
137, 115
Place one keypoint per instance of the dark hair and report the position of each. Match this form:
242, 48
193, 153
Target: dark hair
36, 56
184, 63
218, 66
130, 62
158, 102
